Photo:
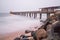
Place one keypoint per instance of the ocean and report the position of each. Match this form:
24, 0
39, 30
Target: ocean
11, 23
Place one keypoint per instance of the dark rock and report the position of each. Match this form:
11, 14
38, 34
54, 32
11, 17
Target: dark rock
17, 38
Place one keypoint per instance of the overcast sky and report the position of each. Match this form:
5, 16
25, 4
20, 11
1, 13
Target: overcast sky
23, 5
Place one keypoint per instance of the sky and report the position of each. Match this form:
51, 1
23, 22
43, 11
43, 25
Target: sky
25, 5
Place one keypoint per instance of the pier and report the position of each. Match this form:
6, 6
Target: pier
38, 14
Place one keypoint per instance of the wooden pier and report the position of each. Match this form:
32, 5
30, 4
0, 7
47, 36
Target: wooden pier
47, 10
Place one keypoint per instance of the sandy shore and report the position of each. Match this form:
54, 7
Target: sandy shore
11, 36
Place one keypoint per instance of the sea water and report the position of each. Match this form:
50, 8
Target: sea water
11, 23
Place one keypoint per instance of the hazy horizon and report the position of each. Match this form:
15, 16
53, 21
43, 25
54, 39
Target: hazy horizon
25, 5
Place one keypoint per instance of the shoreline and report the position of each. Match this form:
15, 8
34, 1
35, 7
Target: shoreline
11, 36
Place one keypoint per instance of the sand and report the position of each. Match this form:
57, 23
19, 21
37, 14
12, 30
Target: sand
11, 36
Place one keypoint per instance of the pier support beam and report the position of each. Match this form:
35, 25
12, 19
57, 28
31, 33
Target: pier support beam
29, 14
48, 15
40, 15
35, 15
32, 15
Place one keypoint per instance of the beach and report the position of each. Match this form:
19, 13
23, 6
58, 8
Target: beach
13, 26
11, 36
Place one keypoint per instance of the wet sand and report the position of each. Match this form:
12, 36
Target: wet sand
11, 36
9, 26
